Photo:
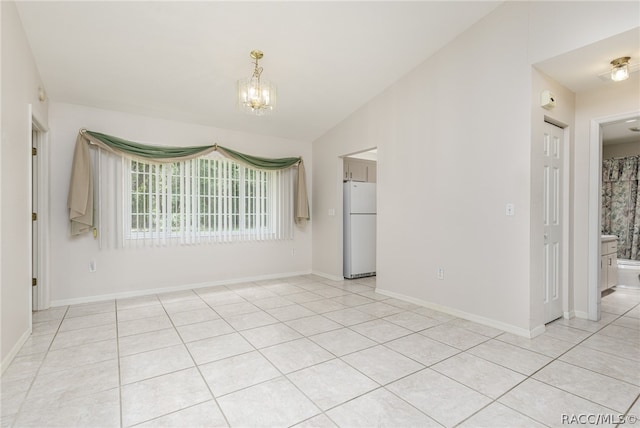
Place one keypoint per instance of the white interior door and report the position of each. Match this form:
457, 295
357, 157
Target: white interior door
552, 205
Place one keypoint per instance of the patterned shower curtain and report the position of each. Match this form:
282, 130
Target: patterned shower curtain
621, 204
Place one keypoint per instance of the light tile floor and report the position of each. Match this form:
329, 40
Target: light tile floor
309, 352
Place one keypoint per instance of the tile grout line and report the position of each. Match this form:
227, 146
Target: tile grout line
460, 352
307, 337
35, 376
550, 362
530, 376
173, 327
285, 376
380, 386
626, 413
424, 366
119, 371
255, 349
197, 367
488, 339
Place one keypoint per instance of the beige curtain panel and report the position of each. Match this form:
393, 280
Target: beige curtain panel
80, 199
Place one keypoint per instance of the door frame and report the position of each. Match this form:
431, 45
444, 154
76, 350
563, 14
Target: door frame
41, 142
595, 207
340, 204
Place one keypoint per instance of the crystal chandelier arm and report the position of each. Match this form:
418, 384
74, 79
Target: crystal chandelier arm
257, 72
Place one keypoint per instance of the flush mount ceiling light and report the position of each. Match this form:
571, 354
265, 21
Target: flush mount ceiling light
255, 95
620, 69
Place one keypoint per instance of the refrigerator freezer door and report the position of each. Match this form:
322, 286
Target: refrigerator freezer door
362, 255
363, 197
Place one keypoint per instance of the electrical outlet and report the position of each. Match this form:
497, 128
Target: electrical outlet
440, 273
92, 265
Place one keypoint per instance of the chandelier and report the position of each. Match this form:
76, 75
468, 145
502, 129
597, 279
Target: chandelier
255, 95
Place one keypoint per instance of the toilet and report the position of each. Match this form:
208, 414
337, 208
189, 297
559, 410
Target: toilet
629, 273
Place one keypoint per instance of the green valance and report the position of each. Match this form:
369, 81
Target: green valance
257, 162
146, 151
81, 189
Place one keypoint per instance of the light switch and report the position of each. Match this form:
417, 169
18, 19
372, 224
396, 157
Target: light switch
332, 211
510, 209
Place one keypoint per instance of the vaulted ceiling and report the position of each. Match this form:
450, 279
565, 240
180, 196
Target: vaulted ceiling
180, 60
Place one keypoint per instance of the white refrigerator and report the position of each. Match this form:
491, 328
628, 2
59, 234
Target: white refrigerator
359, 229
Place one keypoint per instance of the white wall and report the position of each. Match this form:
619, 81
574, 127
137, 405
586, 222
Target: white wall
454, 141
442, 142
142, 270
613, 99
20, 82
621, 150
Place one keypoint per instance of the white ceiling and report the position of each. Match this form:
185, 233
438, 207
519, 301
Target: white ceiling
180, 60
588, 68
368, 155
620, 132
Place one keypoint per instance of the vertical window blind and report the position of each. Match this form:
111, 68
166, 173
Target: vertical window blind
203, 200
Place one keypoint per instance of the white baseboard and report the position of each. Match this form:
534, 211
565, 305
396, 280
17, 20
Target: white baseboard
582, 315
328, 276
146, 292
466, 315
536, 331
14, 351
568, 315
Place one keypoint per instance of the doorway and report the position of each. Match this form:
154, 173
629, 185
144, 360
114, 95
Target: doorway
595, 207
359, 177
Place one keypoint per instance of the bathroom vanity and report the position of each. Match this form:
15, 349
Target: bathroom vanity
608, 261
